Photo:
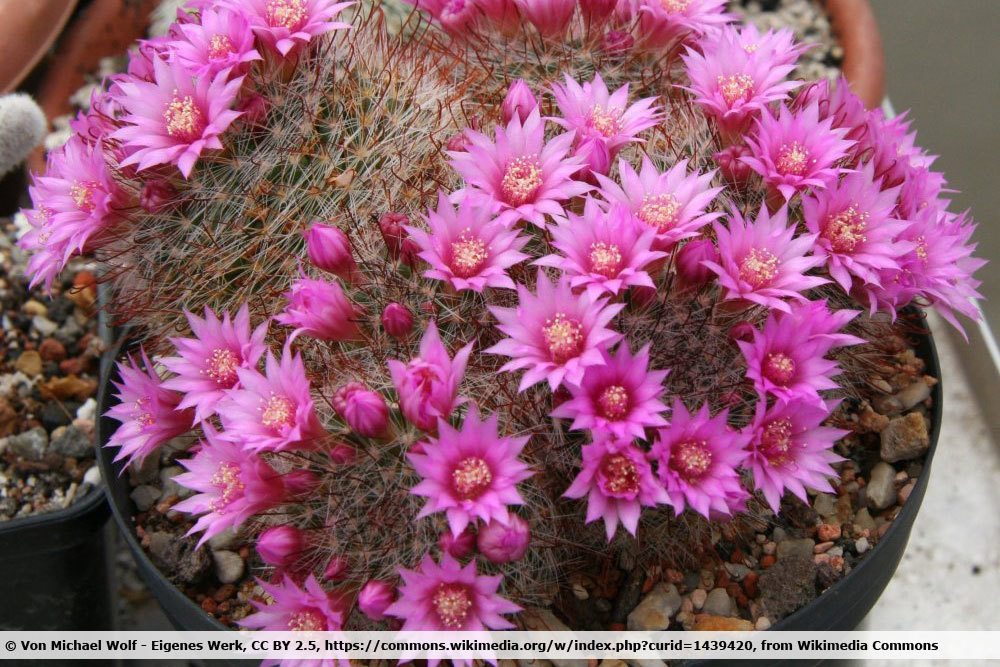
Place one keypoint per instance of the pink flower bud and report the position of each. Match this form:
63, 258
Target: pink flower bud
254, 110
363, 410
299, 482
732, 167
689, 262
504, 544
336, 569
520, 102
397, 320
741, 331
458, 142
617, 42
278, 546
458, 547
320, 309
391, 226
596, 159
374, 598
330, 249
597, 11
156, 195
409, 252
642, 296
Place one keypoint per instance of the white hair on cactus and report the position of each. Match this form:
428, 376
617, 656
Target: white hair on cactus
22, 127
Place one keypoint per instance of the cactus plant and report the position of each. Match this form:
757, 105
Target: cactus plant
22, 128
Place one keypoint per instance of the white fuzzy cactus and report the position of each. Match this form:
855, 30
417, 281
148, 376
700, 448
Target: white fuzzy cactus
22, 127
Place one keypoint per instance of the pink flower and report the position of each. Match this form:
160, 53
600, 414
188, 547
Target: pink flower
673, 203
329, 249
665, 24
594, 113
470, 473
551, 17
596, 159
597, 11
286, 24
364, 410
504, 543
397, 320
279, 546
618, 483
604, 252
457, 17
519, 101
735, 72
206, 365
449, 597
622, 396
794, 151
175, 118
375, 597
221, 40
272, 412
790, 449
554, 333
855, 228
762, 261
468, 248
231, 483
460, 546
309, 608
157, 195
336, 569
47, 256
149, 413
691, 260
786, 359
731, 165
519, 175
427, 385
836, 101
697, 460
320, 309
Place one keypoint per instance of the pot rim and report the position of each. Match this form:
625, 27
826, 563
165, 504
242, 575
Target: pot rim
94, 498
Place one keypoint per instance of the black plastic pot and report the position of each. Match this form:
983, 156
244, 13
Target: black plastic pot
841, 607
55, 569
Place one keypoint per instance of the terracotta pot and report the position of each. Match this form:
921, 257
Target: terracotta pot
854, 24
27, 32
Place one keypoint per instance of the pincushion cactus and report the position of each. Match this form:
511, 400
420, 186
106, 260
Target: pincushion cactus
22, 128
490, 355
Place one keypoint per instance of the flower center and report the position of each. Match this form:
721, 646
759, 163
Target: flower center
776, 441
468, 255
83, 195
759, 267
285, 13
619, 476
307, 620
605, 259
278, 411
779, 368
846, 230
792, 159
183, 118
613, 402
471, 477
227, 480
221, 366
143, 415
921, 249
563, 336
521, 180
452, 604
675, 6
659, 211
607, 122
220, 46
735, 87
691, 459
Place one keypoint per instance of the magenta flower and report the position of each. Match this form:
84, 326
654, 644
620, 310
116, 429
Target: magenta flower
504, 543
790, 449
551, 17
206, 365
449, 597
232, 484
329, 249
470, 473
175, 118
320, 309
786, 359
149, 413
593, 112
794, 151
468, 248
519, 101
309, 608
279, 546
220, 40
618, 483
519, 175
554, 333
375, 597
835, 100
621, 397
427, 385
697, 460
272, 412
286, 24
364, 410
673, 203
690, 262
397, 320
856, 233
664, 24
762, 260
47, 257
735, 72
604, 252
